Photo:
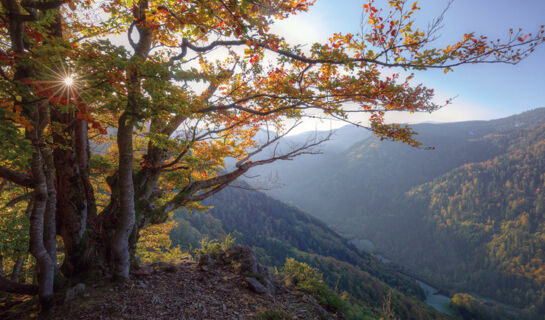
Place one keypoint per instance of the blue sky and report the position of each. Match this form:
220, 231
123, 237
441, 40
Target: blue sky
483, 91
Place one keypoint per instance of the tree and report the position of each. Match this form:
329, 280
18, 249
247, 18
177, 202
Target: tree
192, 87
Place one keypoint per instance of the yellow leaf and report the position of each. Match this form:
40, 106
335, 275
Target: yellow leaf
19, 98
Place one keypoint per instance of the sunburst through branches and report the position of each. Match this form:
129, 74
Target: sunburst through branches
59, 84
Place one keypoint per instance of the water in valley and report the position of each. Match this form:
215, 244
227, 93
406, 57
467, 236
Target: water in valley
433, 298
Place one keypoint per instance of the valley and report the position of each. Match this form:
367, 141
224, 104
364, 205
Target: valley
466, 215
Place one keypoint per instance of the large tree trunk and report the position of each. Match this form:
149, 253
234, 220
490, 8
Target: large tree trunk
75, 197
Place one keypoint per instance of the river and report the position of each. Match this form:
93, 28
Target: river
438, 301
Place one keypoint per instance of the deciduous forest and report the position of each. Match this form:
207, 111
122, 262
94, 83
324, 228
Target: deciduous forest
115, 114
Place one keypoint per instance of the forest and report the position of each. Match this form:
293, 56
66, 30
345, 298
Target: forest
277, 231
492, 213
466, 218
116, 114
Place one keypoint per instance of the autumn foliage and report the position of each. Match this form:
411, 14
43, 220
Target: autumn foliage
183, 85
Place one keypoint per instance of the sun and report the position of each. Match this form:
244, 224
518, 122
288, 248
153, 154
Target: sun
69, 80
60, 84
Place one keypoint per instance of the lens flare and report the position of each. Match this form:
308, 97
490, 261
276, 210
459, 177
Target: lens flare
69, 80
60, 84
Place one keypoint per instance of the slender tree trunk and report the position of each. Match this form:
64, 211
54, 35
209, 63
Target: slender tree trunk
126, 217
50, 233
16, 271
42, 217
46, 266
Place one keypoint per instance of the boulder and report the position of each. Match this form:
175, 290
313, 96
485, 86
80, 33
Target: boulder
205, 260
256, 286
242, 259
75, 291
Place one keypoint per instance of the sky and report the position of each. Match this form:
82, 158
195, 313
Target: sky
482, 92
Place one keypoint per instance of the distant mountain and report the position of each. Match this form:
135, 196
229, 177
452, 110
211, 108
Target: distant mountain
281, 173
278, 231
340, 140
367, 175
406, 201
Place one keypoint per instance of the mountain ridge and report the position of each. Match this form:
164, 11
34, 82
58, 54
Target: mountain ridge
362, 194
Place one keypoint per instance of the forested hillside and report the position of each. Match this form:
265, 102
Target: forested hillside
492, 214
466, 216
278, 231
344, 188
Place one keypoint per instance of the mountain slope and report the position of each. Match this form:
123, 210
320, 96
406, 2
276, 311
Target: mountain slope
492, 215
465, 216
281, 174
277, 231
369, 174
262, 221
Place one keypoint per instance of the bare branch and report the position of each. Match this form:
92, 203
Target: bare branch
18, 199
7, 285
41, 5
16, 177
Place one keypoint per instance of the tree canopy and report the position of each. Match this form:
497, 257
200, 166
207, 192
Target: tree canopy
183, 85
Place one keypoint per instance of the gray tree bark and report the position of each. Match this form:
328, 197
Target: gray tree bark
126, 216
46, 266
16, 271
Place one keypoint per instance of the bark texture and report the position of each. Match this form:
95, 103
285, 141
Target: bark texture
75, 197
46, 266
16, 269
126, 216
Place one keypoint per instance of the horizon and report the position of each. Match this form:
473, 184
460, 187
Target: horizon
296, 132
482, 92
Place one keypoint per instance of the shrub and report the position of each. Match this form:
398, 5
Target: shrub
310, 280
213, 247
273, 315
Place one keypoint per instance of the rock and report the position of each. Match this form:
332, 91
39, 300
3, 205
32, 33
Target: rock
205, 260
263, 271
75, 291
256, 286
242, 259
142, 285
270, 285
323, 312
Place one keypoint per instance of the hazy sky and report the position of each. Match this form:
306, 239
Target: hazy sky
483, 91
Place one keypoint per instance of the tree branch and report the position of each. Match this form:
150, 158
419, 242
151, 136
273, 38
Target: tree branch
16, 177
7, 285
41, 5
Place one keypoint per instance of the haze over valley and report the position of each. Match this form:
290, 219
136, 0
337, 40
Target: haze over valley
466, 215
